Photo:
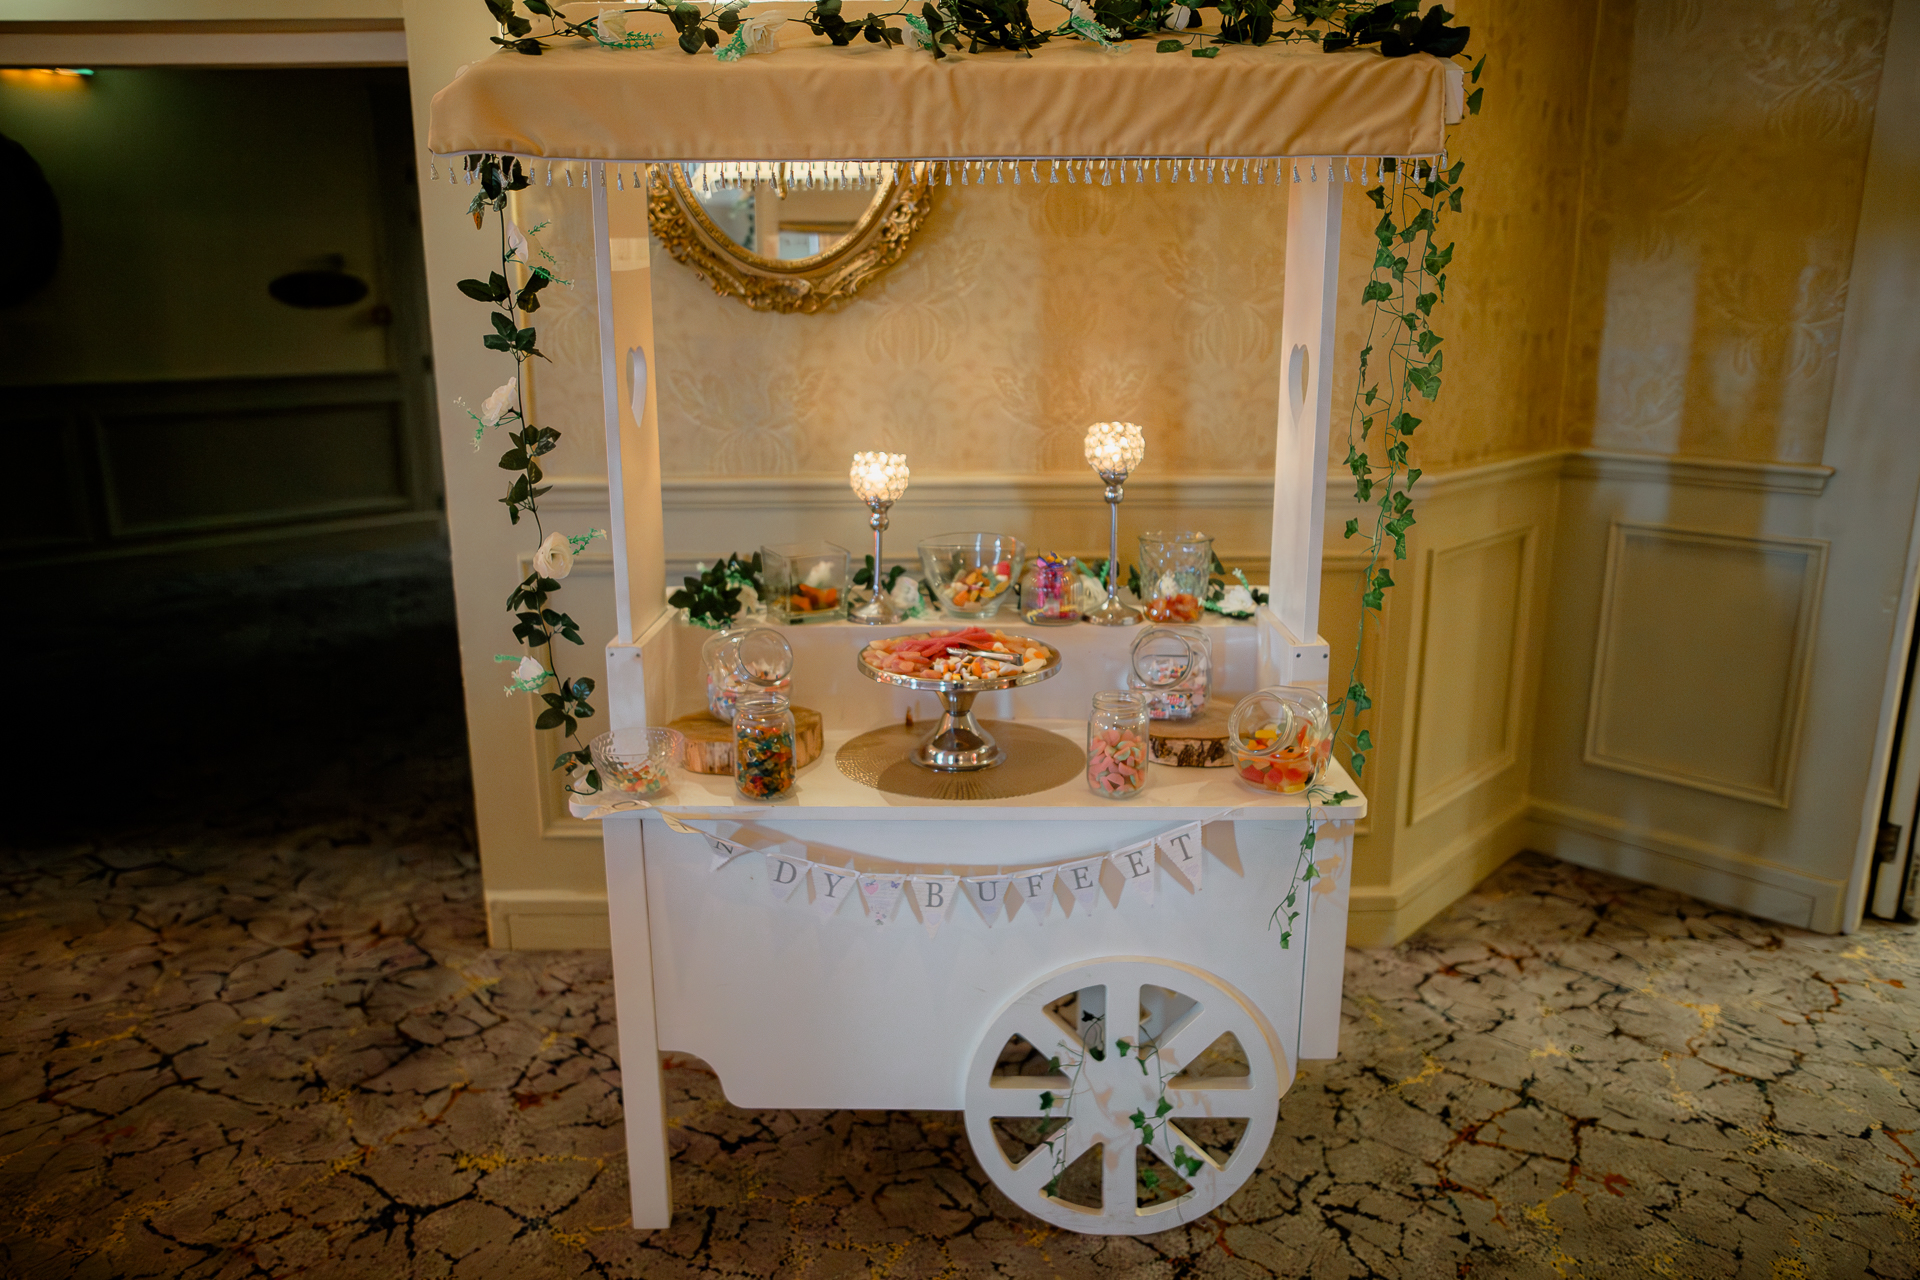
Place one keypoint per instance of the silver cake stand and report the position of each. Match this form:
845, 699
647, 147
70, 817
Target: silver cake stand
959, 743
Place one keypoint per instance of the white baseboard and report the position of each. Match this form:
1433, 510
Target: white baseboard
1713, 873
1385, 915
547, 920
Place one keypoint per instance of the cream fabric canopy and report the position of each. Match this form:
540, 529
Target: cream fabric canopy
810, 101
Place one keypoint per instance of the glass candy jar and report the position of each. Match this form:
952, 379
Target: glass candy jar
763, 746
1052, 591
1117, 745
752, 660
1173, 574
1281, 737
1173, 668
805, 582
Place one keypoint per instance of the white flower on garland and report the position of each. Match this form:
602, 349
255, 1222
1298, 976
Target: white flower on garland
763, 34
500, 403
517, 246
749, 598
612, 27
554, 559
528, 677
906, 596
1236, 599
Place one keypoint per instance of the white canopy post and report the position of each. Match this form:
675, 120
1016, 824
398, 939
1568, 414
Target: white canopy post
1292, 651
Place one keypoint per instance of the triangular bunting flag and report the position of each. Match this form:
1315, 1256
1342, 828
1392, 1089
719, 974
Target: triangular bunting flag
786, 868
1082, 880
1183, 848
724, 850
1036, 892
1135, 865
934, 897
881, 893
989, 893
831, 887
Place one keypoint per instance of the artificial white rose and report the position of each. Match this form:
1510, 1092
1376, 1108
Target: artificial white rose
554, 559
762, 34
1166, 586
612, 26
1236, 599
530, 670
1092, 587
500, 402
906, 592
749, 598
517, 245
820, 575
1176, 19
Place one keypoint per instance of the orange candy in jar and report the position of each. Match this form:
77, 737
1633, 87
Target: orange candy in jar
1178, 607
1281, 738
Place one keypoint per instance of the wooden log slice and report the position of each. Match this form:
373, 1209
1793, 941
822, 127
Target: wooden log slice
1196, 743
710, 740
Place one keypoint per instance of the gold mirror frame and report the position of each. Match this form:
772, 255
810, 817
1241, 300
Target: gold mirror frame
805, 285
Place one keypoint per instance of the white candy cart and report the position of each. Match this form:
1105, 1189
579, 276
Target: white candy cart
886, 1009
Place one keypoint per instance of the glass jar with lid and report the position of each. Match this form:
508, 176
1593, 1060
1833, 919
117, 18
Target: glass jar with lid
1117, 745
750, 660
1173, 667
763, 746
1281, 737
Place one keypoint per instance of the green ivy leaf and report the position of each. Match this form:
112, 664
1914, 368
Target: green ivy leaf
1473, 102
1353, 527
1209, 51
1046, 1100
1169, 46
1376, 291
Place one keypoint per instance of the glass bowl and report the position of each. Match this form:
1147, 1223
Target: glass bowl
972, 574
636, 762
1281, 737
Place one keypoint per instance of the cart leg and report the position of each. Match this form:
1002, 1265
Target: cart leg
640, 1081
1324, 941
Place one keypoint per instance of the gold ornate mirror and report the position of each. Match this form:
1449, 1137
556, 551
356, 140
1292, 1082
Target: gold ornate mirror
793, 237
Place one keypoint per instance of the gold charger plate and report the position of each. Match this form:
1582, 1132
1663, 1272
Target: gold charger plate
1036, 761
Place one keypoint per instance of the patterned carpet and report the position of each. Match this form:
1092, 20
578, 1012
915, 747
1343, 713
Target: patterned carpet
246, 1037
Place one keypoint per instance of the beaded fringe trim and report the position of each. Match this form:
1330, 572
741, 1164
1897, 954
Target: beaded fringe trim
859, 175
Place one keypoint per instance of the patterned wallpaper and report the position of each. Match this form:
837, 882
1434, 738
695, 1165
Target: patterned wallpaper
1668, 276
1725, 163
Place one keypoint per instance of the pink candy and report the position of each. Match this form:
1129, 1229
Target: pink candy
1116, 763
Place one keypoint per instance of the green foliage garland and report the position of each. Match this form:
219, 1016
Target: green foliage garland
536, 622
1396, 27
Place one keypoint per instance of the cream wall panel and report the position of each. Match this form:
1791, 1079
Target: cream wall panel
1473, 637
1705, 644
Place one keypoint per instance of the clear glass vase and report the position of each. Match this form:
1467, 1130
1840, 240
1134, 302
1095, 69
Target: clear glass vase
740, 662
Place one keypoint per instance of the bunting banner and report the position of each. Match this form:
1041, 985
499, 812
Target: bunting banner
1000, 896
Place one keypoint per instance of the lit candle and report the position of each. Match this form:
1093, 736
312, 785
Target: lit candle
879, 477
1115, 448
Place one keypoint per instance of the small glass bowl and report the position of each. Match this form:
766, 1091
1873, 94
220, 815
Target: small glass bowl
637, 762
972, 574
1281, 738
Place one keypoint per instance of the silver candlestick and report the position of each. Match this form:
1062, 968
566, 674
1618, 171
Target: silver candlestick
1113, 450
878, 479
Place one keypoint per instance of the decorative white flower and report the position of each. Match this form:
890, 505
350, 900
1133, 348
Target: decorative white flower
763, 34
517, 246
529, 669
554, 559
528, 677
749, 598
820, 575
1176, 19
1166, 586
1092, 587
500, 403
612, 26
1236, 599
906, 592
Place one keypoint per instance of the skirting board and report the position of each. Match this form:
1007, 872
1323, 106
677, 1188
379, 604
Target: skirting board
1386, 915
1710, 872
538, 920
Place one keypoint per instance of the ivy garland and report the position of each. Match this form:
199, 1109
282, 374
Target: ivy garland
536, 622
1408, 279
938, 25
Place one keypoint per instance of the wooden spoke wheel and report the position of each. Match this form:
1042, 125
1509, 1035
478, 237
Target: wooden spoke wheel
1051, 1075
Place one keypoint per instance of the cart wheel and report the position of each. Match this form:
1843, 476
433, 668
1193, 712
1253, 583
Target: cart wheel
1187, 1022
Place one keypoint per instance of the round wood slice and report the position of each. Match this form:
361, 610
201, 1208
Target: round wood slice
710, 740
1196, 743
